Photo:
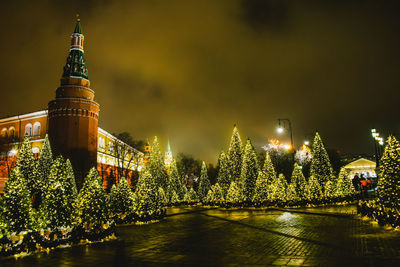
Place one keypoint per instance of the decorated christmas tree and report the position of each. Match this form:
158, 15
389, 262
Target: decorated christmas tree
329, 189
156, 165
299, 182
314, 190
91, 209
175, 198
235, 153
389, 175
217, 193
17, 207
249, 172
70, 182
57, 206
190, 196
210, 197
122, 200
223, 178
147, 194
320, 167
344, 185
42, 169
278, 189
291, 194
26, 164
268, 170
234, 194
163, 200
261, 190
204, 184
175, 181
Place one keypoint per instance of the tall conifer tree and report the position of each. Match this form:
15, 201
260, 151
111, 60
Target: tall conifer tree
261, 190
299, 182
314, 190
248, 176
156, 165
91, 209
147, 194
26, 164
321, 167
223, 173
204, 184
42, 168
279, 187
344, 186
175, 181
122, 199
17, 207
235, 153
389, 175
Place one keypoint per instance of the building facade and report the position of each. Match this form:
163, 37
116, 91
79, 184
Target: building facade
71, 123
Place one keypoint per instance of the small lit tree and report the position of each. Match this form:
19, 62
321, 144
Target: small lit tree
249, 172
122, 200
147, 193
42, 169
234, 194
223, 178
314, 191
299, 182
235, 153
16, 204
321, 167
278, 189
91, 209
156, 165
26, 164
344, 186
389, 175
204, 184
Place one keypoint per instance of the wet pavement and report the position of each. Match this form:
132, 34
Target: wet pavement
325, 236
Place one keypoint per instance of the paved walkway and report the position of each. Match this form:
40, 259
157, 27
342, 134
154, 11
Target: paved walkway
326, 236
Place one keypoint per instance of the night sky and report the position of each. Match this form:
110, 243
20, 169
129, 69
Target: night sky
191, 69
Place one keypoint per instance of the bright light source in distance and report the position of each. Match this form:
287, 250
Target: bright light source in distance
306, 143
279, 129
287, 147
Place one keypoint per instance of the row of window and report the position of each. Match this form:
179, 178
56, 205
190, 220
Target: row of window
29, 130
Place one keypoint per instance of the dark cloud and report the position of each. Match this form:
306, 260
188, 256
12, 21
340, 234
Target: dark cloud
191, 69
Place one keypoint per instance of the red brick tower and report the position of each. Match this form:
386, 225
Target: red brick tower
73, 115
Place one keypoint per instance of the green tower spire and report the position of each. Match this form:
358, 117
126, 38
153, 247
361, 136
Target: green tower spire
75, 66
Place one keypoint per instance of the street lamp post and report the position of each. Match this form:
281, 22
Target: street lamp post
378, 142
281, 127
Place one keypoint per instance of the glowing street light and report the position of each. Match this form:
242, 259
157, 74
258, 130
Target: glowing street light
306, 142
281, 128
377, 140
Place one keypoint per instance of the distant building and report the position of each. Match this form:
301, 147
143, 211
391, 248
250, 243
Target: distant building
71, 122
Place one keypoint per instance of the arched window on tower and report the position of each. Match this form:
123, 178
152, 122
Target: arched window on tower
28, 129
36, 128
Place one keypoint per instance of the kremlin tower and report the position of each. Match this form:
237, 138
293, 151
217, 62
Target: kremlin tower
73, 115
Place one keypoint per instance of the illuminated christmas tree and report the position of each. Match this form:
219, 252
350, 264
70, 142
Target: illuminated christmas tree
190, 197
217, 193
320, 167
278, 189
291, 194
71, 183
162, 200
17, 207
268, 170
91, 209
329, 189
57, 206
249, 171
223, 178
262, 188
344, 185
314, 191
175, 181
299, 182
234, 157
42, 169
204, 184
26, 164
147, 194
156, 165
234, 194
389, 175
122, 200
175, 198
210, 197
